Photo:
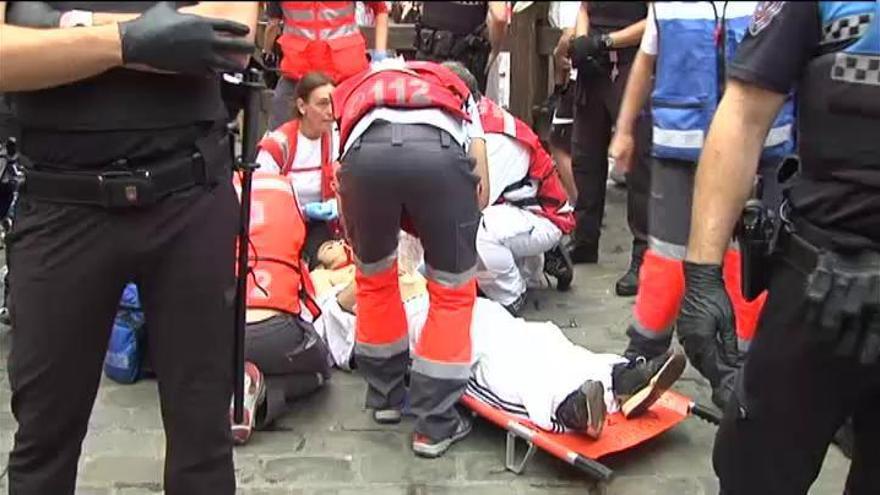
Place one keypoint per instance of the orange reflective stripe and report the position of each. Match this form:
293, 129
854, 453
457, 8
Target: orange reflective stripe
380, 318
661, 288
747, 312
446, 337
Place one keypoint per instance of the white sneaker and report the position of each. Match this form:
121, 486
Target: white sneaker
254, 393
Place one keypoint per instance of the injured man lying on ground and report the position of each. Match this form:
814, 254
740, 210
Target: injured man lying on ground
530, 369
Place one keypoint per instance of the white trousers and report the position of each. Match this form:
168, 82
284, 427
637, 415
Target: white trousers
525, 368
511, 243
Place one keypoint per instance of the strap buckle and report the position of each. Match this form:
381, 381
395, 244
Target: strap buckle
126, 188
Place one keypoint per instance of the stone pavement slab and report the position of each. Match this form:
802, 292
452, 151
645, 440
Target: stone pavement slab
329, 445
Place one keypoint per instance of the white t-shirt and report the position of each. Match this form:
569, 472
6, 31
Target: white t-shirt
564, 15
693, 10
461, 131
305, 170
508, 163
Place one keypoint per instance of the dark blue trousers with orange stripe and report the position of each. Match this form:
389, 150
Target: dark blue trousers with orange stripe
661, 277
419, 172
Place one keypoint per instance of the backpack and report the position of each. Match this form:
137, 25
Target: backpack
126, 350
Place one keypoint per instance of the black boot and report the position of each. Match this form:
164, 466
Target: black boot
628, 284
584, 253
640, 383
584, 409
557, 264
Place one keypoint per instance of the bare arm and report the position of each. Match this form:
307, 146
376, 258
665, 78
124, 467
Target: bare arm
638, 88
273, 30
727, 167
583, 22
623, 145
381, 32
628, 36
562, 64
346, 297
76, 54
243, 12
566, 175
478, 153
496, 21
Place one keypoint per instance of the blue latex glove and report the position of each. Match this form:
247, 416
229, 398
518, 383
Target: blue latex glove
378, 56
322, 211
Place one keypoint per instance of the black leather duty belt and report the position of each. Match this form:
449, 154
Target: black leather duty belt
804, 256
123, 187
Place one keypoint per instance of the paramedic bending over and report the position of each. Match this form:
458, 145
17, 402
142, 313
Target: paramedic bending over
302, 149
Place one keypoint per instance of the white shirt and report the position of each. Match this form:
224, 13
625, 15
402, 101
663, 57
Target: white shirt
690, 10
305, 170
461, 131
508, 163
564, 15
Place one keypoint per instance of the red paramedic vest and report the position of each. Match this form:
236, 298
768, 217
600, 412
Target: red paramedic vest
281, 146
549, 198
278, 279
417, 85
322, 36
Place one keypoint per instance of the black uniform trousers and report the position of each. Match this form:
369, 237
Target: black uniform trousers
293, 358
792, 395
597, 103
70, 264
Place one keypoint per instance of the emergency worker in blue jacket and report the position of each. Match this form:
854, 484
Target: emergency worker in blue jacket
814, 361
686, 47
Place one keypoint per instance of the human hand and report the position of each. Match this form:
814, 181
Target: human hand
163, 38
584, 48
322, 211
621, 150
706, 321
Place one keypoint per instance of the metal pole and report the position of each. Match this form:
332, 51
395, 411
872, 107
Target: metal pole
253, 84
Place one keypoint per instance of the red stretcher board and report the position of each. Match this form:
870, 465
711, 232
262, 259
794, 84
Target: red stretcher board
577, 449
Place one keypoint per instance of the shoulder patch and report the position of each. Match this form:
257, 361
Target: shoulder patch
763, 15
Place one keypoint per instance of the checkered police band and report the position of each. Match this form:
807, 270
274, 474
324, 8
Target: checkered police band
846, 28
858, 69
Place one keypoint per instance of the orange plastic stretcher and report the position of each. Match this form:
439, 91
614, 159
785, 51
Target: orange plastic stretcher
581, 451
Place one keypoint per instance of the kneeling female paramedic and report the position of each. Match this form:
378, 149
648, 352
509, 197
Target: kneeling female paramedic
302, 150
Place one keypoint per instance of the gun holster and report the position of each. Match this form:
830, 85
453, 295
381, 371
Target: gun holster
472, 50
754, 232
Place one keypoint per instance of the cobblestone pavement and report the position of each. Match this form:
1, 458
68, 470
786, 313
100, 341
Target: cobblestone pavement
330, 446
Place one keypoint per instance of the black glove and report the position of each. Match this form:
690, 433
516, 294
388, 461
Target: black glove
165, 39
706, 322
32, 14
584, 48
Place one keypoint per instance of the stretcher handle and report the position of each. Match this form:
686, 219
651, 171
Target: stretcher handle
594, 469
705, 413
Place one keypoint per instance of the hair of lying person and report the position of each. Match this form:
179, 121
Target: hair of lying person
465, 75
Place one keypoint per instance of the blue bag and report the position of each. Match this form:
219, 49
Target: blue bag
125, 352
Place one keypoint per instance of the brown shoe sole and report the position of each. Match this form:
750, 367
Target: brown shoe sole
660, 383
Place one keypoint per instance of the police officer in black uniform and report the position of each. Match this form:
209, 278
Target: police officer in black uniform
603, 58
465, 31
127, 177
815, 360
